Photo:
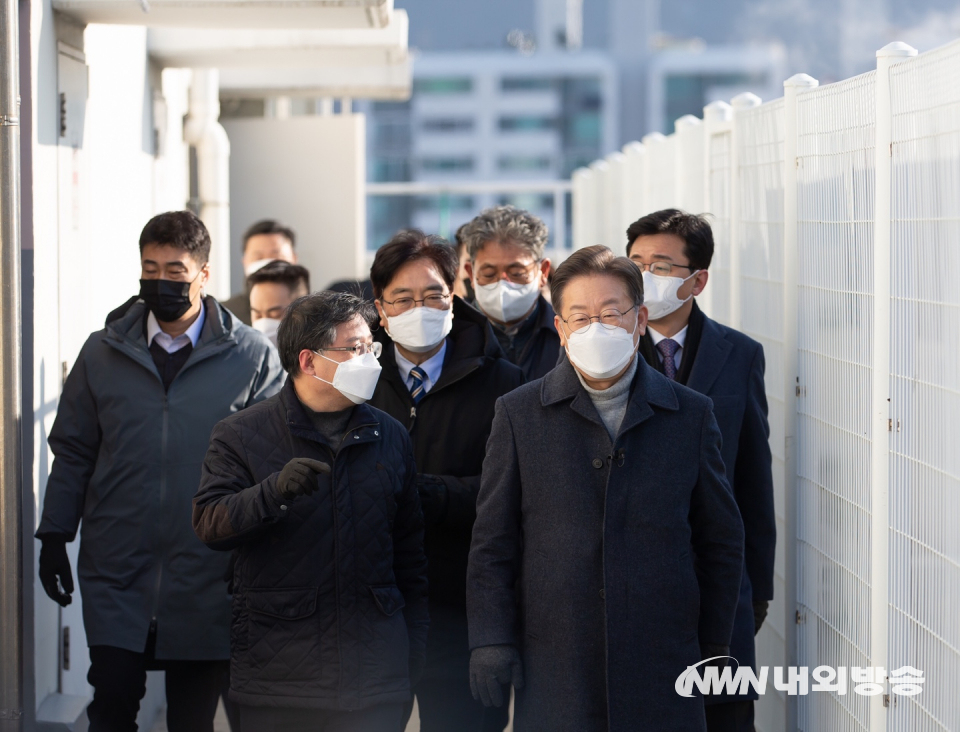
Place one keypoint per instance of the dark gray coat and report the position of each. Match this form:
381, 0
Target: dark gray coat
607, 565
127, 462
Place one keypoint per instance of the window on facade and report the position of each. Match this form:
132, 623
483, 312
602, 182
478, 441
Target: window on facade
527, 123
527, 201
436, 203
447, 165
525, 83
443, 85
447, 124
390, 170
517, 163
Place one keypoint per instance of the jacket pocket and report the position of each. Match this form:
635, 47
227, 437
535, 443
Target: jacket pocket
281, 628
388, 598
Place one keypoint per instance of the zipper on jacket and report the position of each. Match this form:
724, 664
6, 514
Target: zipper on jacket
163, 489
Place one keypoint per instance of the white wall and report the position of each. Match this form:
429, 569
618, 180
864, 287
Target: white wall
309, 173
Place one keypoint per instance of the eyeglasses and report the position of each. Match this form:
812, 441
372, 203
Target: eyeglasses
359, 349
609, 319
518, 275
663, 269
402, 304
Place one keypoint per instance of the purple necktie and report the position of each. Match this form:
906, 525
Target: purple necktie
668, 349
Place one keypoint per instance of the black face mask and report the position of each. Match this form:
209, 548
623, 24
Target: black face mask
167, 299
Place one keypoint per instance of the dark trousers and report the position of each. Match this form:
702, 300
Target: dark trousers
380, 718
730, 717
119, 681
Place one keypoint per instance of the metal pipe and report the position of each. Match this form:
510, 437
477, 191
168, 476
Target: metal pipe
11, 479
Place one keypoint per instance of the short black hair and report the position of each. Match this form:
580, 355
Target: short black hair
291, 275
693, 229
409, 245
269, 226
180, 229
311, 323
596, 260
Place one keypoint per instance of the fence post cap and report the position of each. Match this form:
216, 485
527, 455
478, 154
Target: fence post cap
600, 166
580, 173
802, 81
653, 138
717, 111
746, 101
635, 148
686, 122
615, 157
897, 49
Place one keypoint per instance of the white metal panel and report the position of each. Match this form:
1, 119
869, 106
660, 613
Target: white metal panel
719, 160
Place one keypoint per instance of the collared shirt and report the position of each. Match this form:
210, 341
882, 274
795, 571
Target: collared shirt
679, 339
172, 345
432, 367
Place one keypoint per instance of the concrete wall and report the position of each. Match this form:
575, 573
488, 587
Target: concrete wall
91, 190
309, 173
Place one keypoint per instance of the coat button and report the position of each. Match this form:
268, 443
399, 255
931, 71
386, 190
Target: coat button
356, 437
597, 463
376, 434
603, 595
283, 508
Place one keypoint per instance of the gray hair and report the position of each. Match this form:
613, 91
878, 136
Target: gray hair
508, 225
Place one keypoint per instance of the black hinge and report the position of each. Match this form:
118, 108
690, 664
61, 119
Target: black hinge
66, 648
63, 114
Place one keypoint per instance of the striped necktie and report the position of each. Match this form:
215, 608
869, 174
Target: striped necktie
668, 349
419, 377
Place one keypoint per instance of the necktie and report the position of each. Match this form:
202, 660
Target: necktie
668, 349
419, 376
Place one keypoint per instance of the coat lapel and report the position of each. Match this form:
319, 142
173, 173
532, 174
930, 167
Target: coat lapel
650, 389
712, 354
561, 385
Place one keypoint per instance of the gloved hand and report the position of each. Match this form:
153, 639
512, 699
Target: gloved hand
54, 566
433, 498
299, 477
759, 614
490, 668
710, 651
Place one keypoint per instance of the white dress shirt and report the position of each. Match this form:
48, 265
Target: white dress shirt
432, 367
172, 345
679, 339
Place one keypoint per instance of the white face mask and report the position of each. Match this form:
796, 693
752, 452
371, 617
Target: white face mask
660, 294
420, 329
601, 352
356, 379
267, 326
505, 301
255, 266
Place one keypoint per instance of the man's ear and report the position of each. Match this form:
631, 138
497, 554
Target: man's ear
382, 314
545, 267
468, 268
558, 324
305, 358
700, 281
642, 316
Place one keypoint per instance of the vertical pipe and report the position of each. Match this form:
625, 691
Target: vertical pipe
880, 430
791, 369
11, 479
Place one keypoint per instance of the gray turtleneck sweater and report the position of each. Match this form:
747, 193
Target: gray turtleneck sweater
611, 403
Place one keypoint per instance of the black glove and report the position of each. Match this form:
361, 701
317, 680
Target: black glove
54, 566
433, 498
759, 614
490, 668
711, 651
299, 477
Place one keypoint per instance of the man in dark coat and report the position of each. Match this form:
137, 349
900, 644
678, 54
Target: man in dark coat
131, 431
317, 493
505, 246
673, 250
607, 549
442, 373
264, 242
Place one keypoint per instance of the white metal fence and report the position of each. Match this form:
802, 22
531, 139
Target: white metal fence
836, 215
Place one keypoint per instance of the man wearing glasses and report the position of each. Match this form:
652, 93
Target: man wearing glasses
607, 548
673, 250
442, 373
507, 266
317, 493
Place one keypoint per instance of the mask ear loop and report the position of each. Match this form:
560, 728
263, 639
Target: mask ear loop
328, 359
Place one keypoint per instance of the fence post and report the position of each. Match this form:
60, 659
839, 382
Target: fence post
651, 142
716, 117
685, 130
635, 154
791, 370
614, 228
740, 103
880, 432
582, 201
601, 189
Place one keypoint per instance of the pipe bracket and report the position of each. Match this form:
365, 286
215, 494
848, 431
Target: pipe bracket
8, 120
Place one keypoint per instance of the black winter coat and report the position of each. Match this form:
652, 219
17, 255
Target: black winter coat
330, 590
449, 429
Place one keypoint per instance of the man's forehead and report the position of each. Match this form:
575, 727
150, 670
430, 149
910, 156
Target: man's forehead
498, 252
352, 331
166, 254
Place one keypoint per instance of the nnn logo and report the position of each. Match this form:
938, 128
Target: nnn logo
799, 681
715, 681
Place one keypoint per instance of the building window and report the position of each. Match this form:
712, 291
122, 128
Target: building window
447, 165
390, 170
436, 203
523, 163
525, 84
443, 85
527, 201
447, 124
527, 123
